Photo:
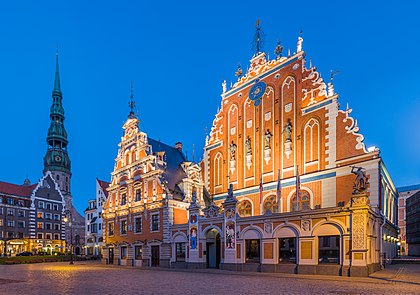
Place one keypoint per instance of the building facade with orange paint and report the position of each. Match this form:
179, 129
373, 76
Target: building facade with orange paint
280, 129
151, 187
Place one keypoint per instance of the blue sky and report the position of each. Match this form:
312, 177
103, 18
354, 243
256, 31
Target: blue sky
177, 53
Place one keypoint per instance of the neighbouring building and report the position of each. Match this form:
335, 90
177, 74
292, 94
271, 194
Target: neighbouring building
57, 162
413, 224
151, 187
31, 217
404, 193
288, 154
93, 220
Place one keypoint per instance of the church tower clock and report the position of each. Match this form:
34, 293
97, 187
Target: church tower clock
56, 159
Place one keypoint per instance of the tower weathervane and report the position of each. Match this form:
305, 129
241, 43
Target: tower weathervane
131, 104
258, 38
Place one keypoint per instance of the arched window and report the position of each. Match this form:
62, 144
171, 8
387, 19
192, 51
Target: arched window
311, 141
270, 203
218, 170
301, 203
127, 159
245, 208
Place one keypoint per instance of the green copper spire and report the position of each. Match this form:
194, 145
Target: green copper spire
57, 88
56, 158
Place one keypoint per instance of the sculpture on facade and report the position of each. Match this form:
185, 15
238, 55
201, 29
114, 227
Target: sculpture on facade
288, 130
267, 138
232, 150
361, 182
248, 150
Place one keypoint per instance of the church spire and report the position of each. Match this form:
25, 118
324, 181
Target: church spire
57, 159
57, 87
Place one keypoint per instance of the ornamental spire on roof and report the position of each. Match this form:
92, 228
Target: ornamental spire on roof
131, 103
258, 42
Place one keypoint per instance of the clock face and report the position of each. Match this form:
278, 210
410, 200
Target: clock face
256, 92
57, 158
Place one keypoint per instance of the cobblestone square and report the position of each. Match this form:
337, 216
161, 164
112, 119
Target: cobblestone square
94, 278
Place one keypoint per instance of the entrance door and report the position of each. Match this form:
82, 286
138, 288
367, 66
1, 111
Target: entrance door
155, 255
111, 255
213, 249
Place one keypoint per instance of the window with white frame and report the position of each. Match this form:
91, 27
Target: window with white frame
137, 224
41, 204
155, 222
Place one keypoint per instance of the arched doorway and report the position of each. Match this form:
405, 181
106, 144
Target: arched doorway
77, 250
213, 249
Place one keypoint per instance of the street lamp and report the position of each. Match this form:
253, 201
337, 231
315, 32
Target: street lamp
68, 213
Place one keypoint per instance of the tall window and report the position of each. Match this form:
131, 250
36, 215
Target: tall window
270, 203
180, 252
111, 228
245, 208
155, 222
123, 227
218, 169
329, 249
138, 195
137, 224
287, 250
311, 141
301, 203
123, 199
138, 252
252, 250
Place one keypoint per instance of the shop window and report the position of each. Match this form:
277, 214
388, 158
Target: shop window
301, 203
123, 250
252, 250
329, 249
270, 203
245, 208
180, 251
138, 252
287, 250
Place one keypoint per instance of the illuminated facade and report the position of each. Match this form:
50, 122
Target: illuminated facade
31, 217
93, 220
150, 190
280, 124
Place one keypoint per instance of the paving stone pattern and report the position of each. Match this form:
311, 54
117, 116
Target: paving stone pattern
93, 278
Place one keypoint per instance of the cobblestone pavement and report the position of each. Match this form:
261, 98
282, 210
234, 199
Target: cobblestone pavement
93, 278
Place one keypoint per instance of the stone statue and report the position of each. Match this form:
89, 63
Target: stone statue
232, 150
224, 86
194, 197
288, 130
230, 191
361, 182
267, 138
248, 150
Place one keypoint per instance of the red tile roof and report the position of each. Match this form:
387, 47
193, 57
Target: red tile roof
15, 189
104, 185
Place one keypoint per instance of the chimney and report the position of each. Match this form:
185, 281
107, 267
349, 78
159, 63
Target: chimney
178, 146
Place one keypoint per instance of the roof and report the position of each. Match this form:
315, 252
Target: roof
173, 158
104, 185
16, 190
408, 188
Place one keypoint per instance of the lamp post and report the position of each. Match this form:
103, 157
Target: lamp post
68, 213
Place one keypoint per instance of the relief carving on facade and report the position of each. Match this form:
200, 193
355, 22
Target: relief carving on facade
358, 231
